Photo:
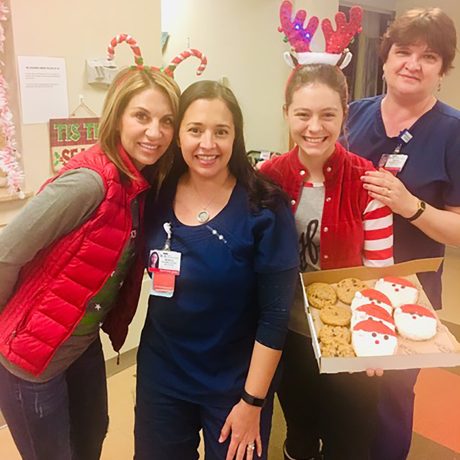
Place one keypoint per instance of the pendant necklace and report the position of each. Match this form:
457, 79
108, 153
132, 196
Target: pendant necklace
203, 214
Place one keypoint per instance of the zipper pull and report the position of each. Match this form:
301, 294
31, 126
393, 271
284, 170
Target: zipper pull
167, 229
11, 337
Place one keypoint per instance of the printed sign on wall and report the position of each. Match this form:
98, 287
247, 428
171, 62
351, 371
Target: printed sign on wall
69, 136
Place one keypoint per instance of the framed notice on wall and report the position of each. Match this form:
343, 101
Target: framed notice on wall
69, 136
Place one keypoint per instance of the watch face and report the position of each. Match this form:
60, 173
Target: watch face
421, 207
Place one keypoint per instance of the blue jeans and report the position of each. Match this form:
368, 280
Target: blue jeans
168, 428
64, 418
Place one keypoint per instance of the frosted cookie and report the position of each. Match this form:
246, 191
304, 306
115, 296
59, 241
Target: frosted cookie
329, 334
367, 296
335, 316
347, 288
372, 338
399, 290
415, 322
374, 313
320, 295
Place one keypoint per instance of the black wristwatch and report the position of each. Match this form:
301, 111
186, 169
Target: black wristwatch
252, 400
419, 212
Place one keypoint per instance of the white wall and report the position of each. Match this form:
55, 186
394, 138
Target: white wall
241, 42
372, 5
77, 31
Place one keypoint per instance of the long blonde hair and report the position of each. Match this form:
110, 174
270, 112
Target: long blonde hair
127, 84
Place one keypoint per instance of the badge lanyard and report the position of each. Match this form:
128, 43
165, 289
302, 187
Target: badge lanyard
394, 162
164, 265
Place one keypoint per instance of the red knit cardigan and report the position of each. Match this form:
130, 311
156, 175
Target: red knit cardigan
342, 239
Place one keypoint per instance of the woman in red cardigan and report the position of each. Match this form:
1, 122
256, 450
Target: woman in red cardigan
338, 225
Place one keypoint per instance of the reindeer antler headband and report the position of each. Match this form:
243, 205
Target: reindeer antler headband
139, 60
299, 37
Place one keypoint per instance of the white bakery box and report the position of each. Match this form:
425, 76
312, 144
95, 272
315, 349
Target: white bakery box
442, 350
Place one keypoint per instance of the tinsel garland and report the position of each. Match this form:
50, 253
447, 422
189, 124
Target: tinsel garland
9, 156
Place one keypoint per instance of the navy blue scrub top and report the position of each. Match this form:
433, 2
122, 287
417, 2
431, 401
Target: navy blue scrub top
431, 173
197, 345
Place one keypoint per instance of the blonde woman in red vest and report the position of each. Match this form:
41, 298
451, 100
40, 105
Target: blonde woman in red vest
338, 226
69, 264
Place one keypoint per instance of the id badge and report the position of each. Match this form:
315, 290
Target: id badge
393, 162
164, 266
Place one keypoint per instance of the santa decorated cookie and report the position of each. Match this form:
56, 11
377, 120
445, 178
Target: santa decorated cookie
373, 338
367, 296
415, 322
373, 313
399, 290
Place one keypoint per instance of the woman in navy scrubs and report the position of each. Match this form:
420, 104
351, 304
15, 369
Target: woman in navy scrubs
215, 327
422, 187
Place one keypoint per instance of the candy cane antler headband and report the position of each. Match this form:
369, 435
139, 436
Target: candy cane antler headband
139, 60
299, 37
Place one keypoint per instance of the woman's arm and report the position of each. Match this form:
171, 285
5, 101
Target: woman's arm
442, 225
60, 207
378, 234
275, 293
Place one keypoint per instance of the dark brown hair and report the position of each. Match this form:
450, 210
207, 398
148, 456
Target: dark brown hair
430, 25
326, 74
262, 192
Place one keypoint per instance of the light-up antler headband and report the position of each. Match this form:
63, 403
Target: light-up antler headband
299, 37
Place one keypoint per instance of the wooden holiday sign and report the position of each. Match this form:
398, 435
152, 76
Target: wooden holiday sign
69, 136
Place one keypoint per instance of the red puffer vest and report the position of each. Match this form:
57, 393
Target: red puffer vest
54, 288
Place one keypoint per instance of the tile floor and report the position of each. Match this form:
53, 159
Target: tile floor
437, 413
436, 428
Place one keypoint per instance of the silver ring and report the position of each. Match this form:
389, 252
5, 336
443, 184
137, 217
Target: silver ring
251, 446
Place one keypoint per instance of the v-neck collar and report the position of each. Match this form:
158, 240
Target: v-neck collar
409, 128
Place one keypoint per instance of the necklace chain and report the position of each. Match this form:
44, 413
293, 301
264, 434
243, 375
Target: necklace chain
203, 215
